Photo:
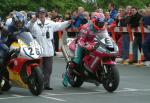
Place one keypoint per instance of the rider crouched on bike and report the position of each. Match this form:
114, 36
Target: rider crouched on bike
86, 35
7, 37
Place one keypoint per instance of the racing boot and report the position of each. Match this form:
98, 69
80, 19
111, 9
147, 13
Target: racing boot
65, 79
66, 75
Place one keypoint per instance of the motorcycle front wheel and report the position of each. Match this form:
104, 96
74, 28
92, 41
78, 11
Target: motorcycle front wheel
35, 81
73, 79
110, 77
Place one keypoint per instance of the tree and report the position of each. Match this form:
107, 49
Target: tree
7, 6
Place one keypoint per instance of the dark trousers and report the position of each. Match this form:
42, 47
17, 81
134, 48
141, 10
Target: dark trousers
137, 44
146, 47
56, 41
125, 46
3, 59
47, 70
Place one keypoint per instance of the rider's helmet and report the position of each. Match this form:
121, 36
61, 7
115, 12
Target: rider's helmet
98, 20
18, 20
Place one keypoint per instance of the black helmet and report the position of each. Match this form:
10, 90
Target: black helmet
18, 20
41, 9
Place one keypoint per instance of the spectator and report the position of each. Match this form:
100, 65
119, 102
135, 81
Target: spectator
73, 30
86, 17
56, 17
100, 10
142, 12
49, 15
146, 43
79, 18
113, 12
43, 29
124, 36
137, 43
67, 15
108, 23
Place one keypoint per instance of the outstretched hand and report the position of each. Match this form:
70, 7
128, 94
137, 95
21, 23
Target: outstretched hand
71, 21
33, 19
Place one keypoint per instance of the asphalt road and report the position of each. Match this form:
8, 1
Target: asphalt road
134, 87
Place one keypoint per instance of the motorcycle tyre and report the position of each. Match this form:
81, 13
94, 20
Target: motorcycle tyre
115, 76
37, 76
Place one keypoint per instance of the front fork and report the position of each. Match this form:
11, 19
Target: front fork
104, 62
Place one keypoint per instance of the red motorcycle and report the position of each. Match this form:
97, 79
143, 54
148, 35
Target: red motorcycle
97, 66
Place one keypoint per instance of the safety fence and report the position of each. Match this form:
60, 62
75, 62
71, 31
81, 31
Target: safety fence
114, 32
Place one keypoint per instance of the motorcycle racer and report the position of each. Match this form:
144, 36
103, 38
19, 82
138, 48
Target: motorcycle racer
86, 35
8, 36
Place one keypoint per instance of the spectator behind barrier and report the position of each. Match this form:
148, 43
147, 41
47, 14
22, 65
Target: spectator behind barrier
113, 12
137, 42
121, 22
146, 42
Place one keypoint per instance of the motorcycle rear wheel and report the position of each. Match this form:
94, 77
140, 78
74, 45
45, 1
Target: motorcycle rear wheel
110, 78
35, 81
73, 79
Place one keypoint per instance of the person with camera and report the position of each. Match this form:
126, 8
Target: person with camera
42, 30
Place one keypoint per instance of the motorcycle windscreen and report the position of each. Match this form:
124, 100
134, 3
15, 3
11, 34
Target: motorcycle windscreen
26, 37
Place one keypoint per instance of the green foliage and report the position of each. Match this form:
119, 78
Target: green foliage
7, 6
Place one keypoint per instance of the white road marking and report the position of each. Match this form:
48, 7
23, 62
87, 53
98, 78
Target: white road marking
81, 93
57, 99
132, 89
14, 97
99, 91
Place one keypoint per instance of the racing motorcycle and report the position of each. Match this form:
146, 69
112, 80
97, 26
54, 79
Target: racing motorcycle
23, 65
97, 66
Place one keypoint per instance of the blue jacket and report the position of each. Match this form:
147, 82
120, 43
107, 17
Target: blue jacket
146, 21
113, 15
78, 21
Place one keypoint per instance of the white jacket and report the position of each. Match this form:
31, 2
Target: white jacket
39, 32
